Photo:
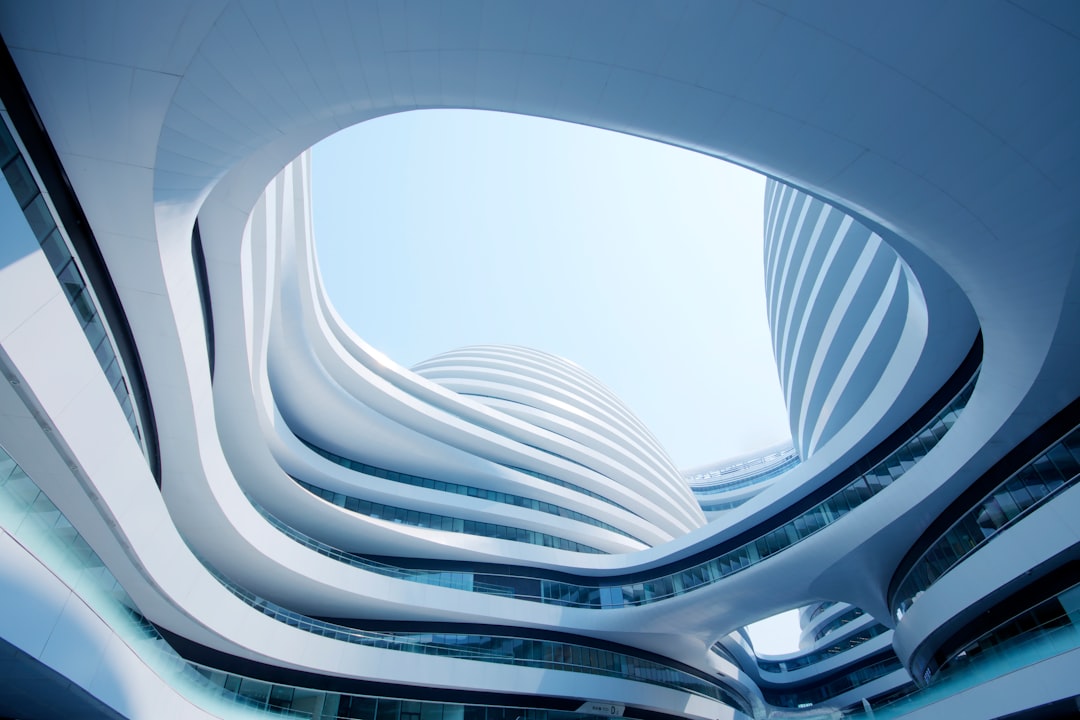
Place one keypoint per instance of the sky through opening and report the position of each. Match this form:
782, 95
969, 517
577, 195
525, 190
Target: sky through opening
640, 262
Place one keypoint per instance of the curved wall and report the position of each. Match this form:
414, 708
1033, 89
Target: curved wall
559, 397
845, 312
161, 115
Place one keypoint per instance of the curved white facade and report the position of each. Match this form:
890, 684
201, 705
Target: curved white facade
846, 313
720, 487
559, 398
318, 529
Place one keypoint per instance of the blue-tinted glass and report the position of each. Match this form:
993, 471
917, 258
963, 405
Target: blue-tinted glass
112, 373
839, 506
1018, 491
40, 219
1067, 465
1045, 468
1031, 480
21, 181
125, 404
1071, 442
1008, 505
8, 148
95, 332
905, 458
83, 307
71, 280
990, 515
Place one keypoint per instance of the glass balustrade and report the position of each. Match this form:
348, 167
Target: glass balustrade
1036, 483
29, 515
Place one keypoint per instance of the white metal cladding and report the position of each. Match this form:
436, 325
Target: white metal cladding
845, 312
950, 131
553, 394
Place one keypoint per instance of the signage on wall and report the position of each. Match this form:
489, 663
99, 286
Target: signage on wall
597, 707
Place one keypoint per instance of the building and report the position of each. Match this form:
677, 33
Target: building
220, 502
726, 485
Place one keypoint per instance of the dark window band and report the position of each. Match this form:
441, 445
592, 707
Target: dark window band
660, 583
416, 518
32, 132
1036, 471
461, 489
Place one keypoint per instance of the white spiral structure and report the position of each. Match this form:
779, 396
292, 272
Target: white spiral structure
217, 500
846, 313
559, 397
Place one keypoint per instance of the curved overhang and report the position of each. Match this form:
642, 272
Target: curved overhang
190, 111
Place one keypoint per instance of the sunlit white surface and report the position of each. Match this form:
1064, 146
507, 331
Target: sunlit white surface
639, 261
895, 113
776, 635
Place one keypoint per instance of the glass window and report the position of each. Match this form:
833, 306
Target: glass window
83, 307
56, 250
281, 697
125, 404
838, 505
1045, 468
991, 514
95, 333
1034, 484
40, 219
8, 148
388, 709
71, 280
7, 466
1018, 490
1067, 466
1071, 442
963, 537
1008, 505
877, 482
905, 458
21, 181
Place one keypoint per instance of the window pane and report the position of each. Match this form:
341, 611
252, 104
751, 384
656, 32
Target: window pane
40, 219
1064, 461
21, 181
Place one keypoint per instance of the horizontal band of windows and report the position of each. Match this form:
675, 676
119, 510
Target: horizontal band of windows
729, 505
838, 622
660, 587
823, 654
460, 489
525, 652
446, 523
822, 691
40, 152
883, 699
43, 226
595, 596
1020, 625
571, 486
28, 514
822, 607
1033, 485
725, 486
1054, 622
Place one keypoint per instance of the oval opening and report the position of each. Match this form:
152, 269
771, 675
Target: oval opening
639, 261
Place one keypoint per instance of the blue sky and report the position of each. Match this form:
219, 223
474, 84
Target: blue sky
639, 261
